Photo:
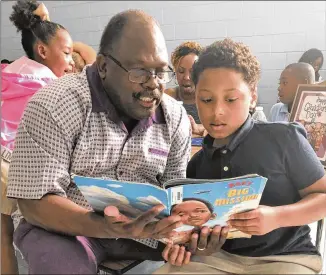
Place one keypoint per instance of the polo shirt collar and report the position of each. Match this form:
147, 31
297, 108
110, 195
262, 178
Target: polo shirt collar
235, 140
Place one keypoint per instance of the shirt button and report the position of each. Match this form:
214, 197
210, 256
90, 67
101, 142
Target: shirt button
224, 151
225, 168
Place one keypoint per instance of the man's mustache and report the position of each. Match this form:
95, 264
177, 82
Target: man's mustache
152, 94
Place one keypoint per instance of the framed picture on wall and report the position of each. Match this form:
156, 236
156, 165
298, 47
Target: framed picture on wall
309, 109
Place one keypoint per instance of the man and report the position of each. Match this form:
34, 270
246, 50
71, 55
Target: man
293, 75
111, 120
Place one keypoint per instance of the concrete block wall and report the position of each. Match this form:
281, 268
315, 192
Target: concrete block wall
277, 31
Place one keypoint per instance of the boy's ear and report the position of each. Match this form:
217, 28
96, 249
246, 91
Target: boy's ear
254, 98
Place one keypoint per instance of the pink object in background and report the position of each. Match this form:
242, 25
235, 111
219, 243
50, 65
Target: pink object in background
20, 80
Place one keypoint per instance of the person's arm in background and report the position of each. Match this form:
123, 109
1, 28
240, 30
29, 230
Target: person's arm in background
8, 257
86, 52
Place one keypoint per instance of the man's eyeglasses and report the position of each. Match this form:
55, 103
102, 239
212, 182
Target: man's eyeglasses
141, 76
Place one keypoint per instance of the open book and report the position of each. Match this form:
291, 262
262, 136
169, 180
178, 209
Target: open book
199, 202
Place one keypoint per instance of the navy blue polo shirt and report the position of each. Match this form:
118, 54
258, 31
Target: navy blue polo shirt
279, 152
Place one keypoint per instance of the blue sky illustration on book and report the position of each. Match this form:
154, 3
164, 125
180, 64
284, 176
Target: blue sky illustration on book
133, 199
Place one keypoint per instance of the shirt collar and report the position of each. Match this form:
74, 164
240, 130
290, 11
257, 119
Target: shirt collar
102, 103
284, 108
236, 139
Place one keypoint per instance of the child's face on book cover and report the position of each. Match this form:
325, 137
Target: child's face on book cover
223, 100
193, 212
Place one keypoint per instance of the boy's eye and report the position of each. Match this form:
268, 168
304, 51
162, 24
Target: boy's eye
206, 100
231, 99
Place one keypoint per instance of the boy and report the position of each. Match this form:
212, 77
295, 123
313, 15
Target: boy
293, 75
226, 76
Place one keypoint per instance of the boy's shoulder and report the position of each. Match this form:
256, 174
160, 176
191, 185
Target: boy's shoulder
280, 129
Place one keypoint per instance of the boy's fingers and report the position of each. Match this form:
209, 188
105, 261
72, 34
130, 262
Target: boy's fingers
187, 258
181, 256
166, 252
174, 254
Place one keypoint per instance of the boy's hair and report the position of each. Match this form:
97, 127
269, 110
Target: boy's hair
189, 47
228, 54
207, 203
302, 71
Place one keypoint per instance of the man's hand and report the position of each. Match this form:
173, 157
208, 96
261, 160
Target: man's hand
209, 241
260, 221
142, 227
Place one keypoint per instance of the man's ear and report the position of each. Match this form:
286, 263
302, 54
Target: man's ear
254, 97
42, 50
101, 62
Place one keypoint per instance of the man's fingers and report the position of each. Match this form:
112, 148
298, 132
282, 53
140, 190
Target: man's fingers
194, 242
112, 215
167, 224
214, 239
203, 238
223, 235
148, 216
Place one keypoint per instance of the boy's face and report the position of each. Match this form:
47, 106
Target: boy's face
288, 86
223, 100
193, 212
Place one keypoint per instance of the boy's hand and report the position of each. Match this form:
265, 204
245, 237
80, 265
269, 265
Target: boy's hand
176, 255
260, 221
209, 241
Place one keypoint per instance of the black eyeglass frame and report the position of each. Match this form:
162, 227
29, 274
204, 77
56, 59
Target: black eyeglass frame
117, 62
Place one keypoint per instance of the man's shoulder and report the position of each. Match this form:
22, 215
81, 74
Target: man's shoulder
175, 115
65, 93
172, 108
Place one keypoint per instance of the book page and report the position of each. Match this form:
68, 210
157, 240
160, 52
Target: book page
132, 199
211, 203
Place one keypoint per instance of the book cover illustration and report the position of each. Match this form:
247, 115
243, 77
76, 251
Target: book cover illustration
198, 202
309, 109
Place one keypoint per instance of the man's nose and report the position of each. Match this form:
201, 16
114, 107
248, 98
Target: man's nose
152, 83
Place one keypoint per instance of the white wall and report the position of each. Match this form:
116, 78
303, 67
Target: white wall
278, 32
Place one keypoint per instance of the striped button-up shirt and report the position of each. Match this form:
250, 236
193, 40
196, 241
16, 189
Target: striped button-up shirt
71, 127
